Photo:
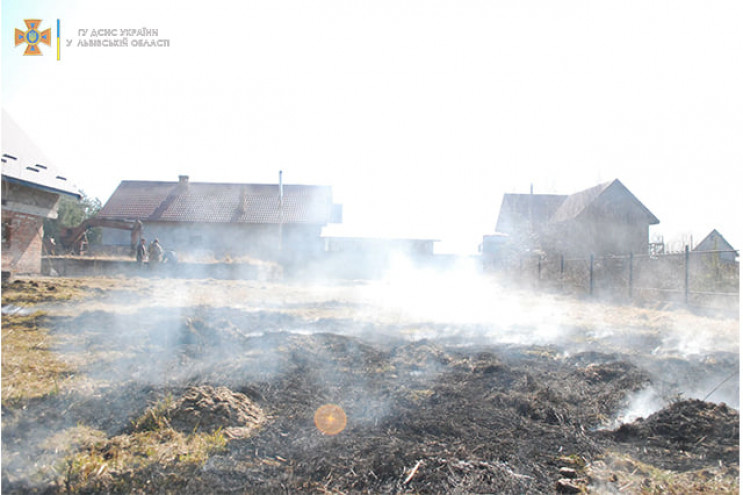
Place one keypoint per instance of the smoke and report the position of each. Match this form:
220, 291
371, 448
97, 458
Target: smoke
154, 334
184, 331
714, 387
686, 355
459, 304
640, 404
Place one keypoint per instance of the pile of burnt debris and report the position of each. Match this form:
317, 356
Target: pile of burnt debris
419, 417
425, 419
685, 435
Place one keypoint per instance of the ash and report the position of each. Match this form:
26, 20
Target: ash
431, 406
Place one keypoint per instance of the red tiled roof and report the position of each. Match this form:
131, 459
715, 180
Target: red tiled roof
204, 202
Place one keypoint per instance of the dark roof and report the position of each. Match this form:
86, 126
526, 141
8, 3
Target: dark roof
205, 202
23, 163
518, 210
714, 241
604, 196
576, 203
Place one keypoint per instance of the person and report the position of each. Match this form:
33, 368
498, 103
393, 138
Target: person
170, 257
50, 246
155, 253
141, 252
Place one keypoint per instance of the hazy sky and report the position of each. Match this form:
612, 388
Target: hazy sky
420, 114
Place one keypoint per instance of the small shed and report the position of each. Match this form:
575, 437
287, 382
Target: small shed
31, 188
715, 247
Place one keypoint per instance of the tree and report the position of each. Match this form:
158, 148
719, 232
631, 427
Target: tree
71, 213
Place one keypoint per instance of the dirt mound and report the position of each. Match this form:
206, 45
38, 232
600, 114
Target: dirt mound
209, 409
692, 428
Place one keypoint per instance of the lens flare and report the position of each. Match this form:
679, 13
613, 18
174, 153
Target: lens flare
330, 419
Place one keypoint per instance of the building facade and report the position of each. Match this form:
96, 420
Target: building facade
31, 188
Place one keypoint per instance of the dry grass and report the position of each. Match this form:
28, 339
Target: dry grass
32, 292
622, 473
30, 369
131, 461
25, 292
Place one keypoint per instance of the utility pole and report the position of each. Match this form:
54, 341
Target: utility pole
281, 210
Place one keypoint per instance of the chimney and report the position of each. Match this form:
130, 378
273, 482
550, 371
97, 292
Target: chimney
182, 182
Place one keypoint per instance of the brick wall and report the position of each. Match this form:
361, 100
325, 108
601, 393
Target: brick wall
21, 242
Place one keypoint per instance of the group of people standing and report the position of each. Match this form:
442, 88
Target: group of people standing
152, 254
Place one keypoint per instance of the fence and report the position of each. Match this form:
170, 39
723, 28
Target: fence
702, 278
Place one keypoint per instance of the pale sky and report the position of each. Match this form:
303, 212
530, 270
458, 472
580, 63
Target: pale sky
420, 114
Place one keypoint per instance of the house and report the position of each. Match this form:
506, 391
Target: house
602, 220
31, 188
716, 248
523, 218
224, 219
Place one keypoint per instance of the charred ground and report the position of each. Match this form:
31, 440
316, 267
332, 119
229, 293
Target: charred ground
218, 395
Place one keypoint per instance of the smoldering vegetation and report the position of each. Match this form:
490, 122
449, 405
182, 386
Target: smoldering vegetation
450, 384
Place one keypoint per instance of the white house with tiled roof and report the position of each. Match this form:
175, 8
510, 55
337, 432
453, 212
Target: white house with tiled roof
223, 218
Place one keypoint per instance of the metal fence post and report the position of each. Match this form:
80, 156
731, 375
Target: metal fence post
539, 269
590, 277
562, 271
631, 258
686, 274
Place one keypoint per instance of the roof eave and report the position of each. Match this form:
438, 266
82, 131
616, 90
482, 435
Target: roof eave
41, 187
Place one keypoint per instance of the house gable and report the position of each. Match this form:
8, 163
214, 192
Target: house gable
714, 241
611, 200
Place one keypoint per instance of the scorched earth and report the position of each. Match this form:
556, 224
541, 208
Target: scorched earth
420, 383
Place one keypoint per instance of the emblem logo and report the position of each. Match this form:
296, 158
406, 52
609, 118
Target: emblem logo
32, 37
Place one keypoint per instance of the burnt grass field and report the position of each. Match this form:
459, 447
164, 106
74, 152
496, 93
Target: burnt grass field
157, 385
